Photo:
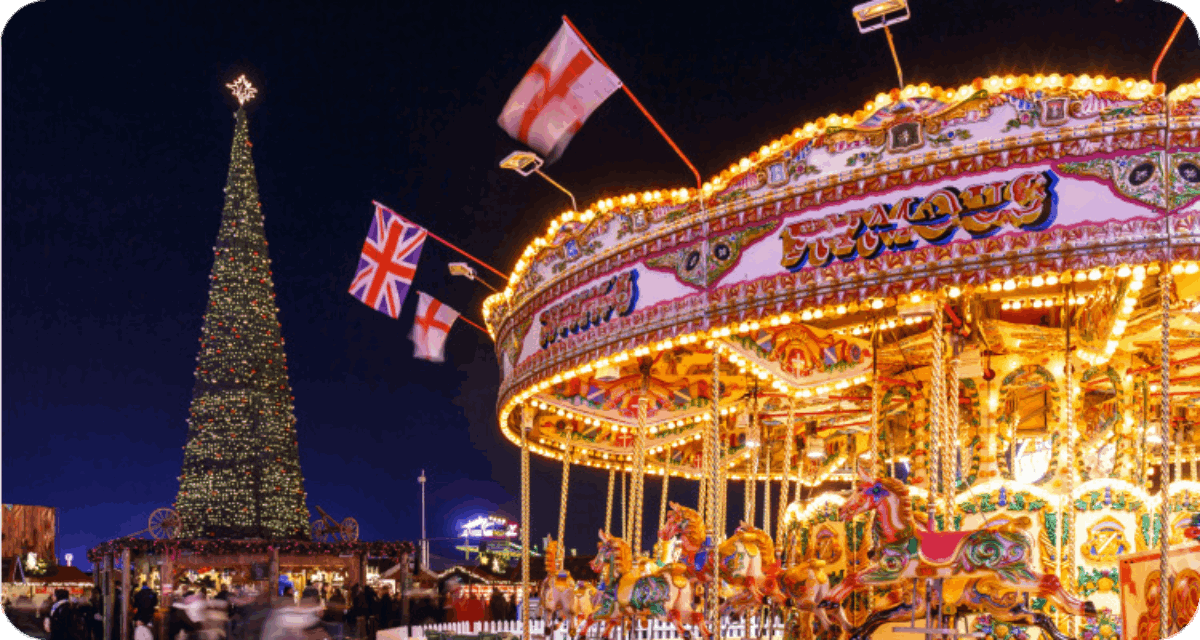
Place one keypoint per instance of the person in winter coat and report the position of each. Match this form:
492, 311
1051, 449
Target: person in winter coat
144, 602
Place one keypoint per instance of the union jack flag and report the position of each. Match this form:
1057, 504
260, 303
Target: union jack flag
388, 261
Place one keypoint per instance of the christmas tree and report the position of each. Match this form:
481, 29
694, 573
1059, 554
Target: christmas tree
241, 466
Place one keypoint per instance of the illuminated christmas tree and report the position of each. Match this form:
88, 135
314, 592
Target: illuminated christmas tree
241, 466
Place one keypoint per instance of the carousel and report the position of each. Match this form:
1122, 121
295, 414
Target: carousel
947, 346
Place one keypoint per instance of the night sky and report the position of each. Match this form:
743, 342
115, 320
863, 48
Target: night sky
116, 136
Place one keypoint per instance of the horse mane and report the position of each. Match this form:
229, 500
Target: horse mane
901, 490
695, 534
551, 555
624, 555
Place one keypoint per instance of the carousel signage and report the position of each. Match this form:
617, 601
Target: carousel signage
490, 527
589, 308
1024, 203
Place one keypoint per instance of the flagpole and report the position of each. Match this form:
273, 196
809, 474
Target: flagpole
443, 241
635, 101
464, 319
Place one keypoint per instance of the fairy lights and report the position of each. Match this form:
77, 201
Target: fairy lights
241, 469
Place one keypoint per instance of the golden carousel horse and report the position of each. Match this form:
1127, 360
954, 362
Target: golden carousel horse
559, 600
628, 593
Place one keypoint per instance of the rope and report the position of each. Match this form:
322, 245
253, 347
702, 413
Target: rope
562, 508
785, 489
1164, 537
527, 415
612, 479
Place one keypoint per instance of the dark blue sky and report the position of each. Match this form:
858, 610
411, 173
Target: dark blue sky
116, 138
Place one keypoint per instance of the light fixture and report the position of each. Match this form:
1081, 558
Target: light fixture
527, 162
878, 14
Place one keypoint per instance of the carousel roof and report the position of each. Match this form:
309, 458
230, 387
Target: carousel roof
1029, 210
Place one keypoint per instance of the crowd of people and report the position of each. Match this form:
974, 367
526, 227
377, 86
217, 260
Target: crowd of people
320, 612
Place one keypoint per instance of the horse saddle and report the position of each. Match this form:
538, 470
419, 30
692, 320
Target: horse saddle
563, 582
939, 547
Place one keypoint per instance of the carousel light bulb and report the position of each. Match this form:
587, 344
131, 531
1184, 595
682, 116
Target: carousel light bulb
1010, 285
1037, 281
1124, 271
1051, 280
1094, 275
995, 286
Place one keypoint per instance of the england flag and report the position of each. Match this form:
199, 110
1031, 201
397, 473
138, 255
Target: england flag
430, 328
557, 95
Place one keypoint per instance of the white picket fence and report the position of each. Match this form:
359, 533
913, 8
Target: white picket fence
650, 630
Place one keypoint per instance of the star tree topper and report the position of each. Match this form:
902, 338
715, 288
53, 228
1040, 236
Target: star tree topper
242, 90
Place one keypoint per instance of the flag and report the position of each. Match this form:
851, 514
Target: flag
430, 328
557, 95
388, 261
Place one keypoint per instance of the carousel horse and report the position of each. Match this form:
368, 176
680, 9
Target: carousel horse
747, 562
558, 594
585, 593
664, 593
983, 569
685, 525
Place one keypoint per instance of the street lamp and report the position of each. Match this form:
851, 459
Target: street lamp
424, 540
527, 162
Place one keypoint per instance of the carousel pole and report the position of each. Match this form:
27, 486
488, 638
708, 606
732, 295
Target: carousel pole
937, 379
720, 517
785, 493
1167, 433
951, 455
1143, 453
754, 440
662, 503
527, 414
766, 510
639, 460
1066, 530
608, 505
562, 509
1164, 285
624, 502
711, 437
875, 399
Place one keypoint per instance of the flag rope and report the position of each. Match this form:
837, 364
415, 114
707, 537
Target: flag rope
443, 241
635, 101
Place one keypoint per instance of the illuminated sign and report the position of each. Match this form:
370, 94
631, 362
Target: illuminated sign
1025, 203
590, 307
490, 527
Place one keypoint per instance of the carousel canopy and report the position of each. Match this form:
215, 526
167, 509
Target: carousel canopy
1033, 211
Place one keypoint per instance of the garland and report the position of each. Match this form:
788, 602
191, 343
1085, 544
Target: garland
139, 546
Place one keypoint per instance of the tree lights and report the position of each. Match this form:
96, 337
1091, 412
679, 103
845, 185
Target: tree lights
241, 469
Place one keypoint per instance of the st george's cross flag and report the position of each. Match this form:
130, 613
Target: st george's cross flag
430, 328
557, 95
388, 261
